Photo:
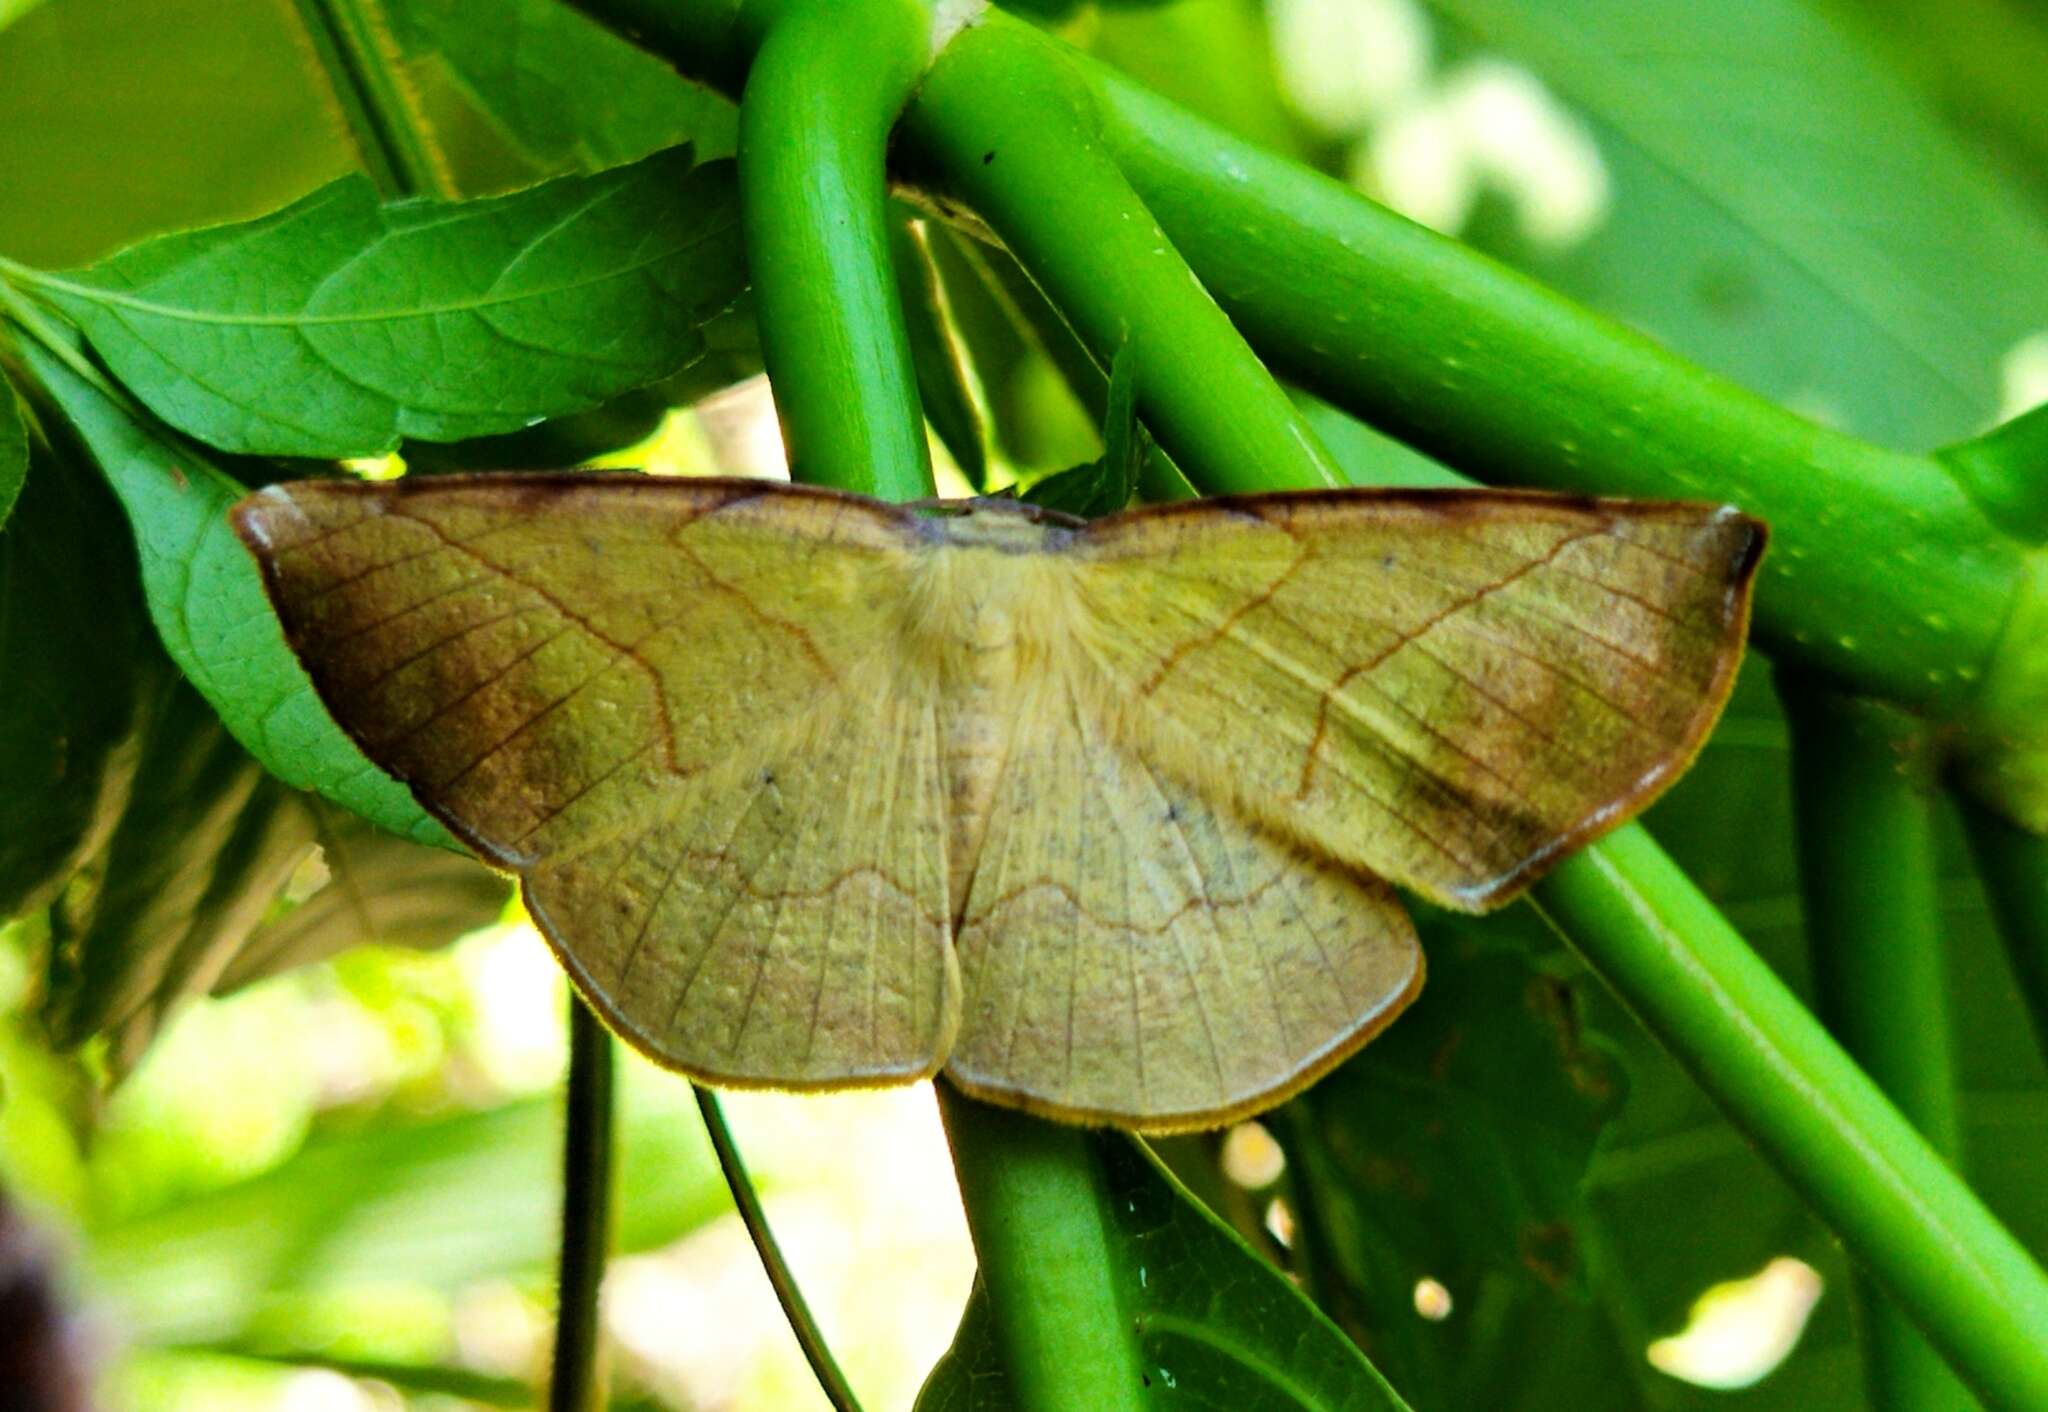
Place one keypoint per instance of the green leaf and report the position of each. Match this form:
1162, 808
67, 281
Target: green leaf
2004, 758
439, 1204
1123, 440
206, 842
733, 354
379, 889
2006, 472
941, 373
115, 774
1029, 363
1453, 1149
1105, 485
13, 449
1369, 457
1673, 1199
79, 660
206, 598
1826, 241
122, 118
412, 1380
553, 445
1210, 56
1217, 1326
12, 10
337, 326
563, 91
1982, 62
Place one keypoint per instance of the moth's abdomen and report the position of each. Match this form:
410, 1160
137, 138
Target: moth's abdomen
994, 630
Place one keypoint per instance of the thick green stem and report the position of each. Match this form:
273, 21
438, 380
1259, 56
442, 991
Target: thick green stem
747, 1201
1513, 383
576, 1382
2014, 866
1007, 127
1449, 350
352, 41
1902, 1212
1024, 1182
827, 82
1489, 370
1034, 1200
1863, 781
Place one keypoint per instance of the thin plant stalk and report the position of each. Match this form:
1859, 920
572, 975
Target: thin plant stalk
1902, 1212
576, 1378
1865, 791
747, 1201
2014, 866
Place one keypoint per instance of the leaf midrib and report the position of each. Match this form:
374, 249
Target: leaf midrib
112, 298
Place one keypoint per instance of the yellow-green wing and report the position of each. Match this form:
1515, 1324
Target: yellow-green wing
667, 705
1131, 954
1449, 690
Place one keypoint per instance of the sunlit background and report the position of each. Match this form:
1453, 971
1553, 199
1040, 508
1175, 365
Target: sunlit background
356, 1161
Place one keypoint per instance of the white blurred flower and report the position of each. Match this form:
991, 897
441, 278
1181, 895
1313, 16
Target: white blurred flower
1344, 62
1488, 125
1741, 1330
2025, 375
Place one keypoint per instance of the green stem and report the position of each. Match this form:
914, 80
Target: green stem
2014, 866
1446, 349
1513, 383
1459, 355
747, 1201
1007, 127
576, 1382
1863, 783
352, 42
1034, 1199
827, 82
1901, 1211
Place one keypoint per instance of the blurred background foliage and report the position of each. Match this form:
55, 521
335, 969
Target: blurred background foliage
268, 1167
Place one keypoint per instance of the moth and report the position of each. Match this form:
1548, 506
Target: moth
1103, 819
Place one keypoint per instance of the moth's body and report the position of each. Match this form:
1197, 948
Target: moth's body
808, 790
992, 632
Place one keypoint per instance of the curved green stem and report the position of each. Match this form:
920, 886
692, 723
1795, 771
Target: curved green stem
827, 82
1007, 127
2014, 866
576, 1381
1902, 1212
838, 1391
1034, 1200
1444, 348
1513, 383
1863, 783
1435, 343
